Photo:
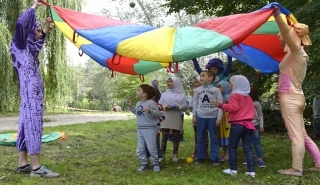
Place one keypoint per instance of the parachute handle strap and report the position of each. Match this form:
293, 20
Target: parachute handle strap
113, 60
45, 3
141, 78
112, 73
240, 48
170, 68
75, 37
80, 52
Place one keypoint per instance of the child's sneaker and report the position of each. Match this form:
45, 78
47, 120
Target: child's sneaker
175, 158
251, 174
198, 161
26, 169
156, 168
230, 172
143, 168
245, 162
261, 164
216, 163
43, 172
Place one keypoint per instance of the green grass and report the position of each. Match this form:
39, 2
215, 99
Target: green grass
104, 153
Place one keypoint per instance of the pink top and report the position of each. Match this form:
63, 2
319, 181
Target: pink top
294, 65
240, 110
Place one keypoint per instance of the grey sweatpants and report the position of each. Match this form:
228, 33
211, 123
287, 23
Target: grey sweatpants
147, 138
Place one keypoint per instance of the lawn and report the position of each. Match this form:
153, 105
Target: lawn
104, 153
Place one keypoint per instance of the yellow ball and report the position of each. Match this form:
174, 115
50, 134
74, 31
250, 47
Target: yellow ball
189, 160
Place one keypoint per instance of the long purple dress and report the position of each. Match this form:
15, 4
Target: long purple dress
24, 51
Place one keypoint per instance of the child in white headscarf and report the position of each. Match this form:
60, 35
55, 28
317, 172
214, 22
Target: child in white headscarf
240, 110
174, 101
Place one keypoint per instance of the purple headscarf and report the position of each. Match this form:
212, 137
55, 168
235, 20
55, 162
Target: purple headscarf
34, 45
215, 62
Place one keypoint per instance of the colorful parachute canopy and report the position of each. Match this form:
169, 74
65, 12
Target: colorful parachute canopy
262, 50
139, 49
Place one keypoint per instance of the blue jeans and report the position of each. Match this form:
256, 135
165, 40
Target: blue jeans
204, 125
238, 132
257, 142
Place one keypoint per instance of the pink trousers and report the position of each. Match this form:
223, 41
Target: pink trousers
292, 107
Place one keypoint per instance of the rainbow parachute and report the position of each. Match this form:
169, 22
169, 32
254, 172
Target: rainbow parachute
139, 49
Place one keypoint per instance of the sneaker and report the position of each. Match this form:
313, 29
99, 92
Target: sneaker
175, 158
26, 169
245, 162
143, 168
156, 168
43, 172
251, 174
216, 163
198, 161
230, 172
261, 164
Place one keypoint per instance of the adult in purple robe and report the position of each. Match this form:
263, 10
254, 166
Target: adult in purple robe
27, 42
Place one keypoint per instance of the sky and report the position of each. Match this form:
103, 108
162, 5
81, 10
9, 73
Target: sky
92, 7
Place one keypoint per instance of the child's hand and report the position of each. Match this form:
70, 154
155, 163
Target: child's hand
147, 109
218, 123
194, 120
168, 107
188, 113
129, 102
214, 102
191, 93
261, 129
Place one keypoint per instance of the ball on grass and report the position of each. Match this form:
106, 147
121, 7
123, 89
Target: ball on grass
189, 160
132, 4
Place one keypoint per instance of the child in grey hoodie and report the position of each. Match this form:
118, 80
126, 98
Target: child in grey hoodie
147, 114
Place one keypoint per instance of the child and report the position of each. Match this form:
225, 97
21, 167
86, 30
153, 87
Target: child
224, 128
173, 101
147, 113
196, 84
207, 116
215, 65
316, 117
240, 110
258, 123
155, 84
161, 118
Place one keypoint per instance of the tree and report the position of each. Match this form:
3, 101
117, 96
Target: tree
54, 66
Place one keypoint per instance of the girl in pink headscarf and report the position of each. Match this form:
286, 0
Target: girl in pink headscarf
174, 101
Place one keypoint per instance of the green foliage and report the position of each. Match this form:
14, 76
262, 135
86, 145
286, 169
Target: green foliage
8, 85
54, 67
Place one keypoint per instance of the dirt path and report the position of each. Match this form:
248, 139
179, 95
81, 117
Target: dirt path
11, 123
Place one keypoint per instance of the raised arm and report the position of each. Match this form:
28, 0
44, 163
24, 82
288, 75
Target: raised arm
228, 68
285, 33
24, 26
196, 65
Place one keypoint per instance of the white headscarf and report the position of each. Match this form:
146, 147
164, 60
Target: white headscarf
240, 84
175, 95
